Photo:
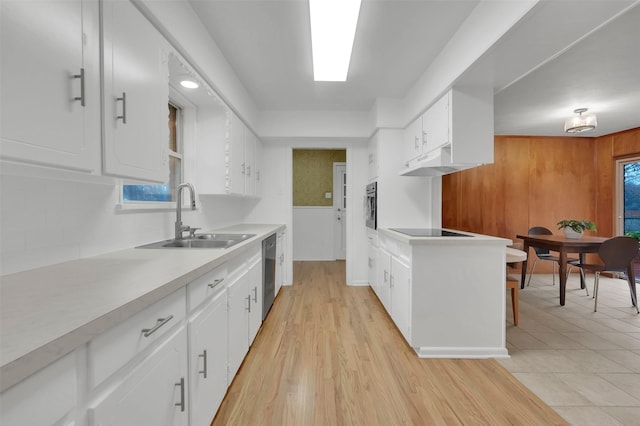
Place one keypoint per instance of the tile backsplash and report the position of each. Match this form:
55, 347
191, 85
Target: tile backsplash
46, 221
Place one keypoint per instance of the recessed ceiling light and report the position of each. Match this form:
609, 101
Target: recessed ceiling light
189, 83
333, 28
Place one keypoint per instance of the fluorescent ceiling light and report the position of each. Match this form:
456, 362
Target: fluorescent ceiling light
333, 28
189, 83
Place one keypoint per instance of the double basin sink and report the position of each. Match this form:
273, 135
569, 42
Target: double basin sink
221, 241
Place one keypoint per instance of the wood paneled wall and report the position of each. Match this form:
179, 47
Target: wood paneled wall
537, 181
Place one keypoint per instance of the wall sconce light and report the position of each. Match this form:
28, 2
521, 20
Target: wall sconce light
581, 123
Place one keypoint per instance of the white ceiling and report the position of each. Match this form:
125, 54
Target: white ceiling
562, 55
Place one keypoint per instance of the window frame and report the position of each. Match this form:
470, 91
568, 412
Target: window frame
186, 117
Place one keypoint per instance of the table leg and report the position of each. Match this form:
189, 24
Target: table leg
582, 283
563, 275
523, 276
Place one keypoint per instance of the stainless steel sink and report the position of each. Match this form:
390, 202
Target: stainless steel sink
220, 241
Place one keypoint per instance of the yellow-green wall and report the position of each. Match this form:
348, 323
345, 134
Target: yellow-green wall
313, 175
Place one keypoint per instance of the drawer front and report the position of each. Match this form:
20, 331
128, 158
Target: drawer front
114, 348
206, 286
43, 398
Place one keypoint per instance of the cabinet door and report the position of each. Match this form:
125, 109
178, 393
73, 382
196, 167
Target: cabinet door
136, 94
384, 277
48, 53
373, 157
208, 360
239, 305
400, 283
255, 291
258, 168
372, 262
236, 167
250, 162
413, 140
436, 124
153, 394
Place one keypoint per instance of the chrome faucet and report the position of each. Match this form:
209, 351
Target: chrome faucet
179, 227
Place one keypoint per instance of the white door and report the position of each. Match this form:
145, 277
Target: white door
340, 210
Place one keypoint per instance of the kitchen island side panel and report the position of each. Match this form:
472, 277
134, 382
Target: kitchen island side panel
458, 300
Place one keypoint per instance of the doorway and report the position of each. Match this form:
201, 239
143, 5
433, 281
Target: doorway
628, 201
316, 199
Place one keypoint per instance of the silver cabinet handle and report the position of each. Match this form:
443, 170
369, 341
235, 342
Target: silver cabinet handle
257, 174
181, 403
215, 282
391, 281
81, 97
243, 167
415, 142
204, 364
248, 303
255, 294
386, 276
248, 170
424, 137
161, 321
123, 117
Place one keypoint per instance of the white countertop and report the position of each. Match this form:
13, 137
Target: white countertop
47, 312
470, 238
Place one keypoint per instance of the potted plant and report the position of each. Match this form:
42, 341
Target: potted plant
633, 234
574, 228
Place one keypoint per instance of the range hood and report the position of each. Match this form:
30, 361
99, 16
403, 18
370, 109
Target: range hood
436, 163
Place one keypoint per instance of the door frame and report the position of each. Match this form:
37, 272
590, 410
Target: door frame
340, 213
619, 192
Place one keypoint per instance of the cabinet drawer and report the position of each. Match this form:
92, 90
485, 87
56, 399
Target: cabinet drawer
207, 285
44, 397
114, 348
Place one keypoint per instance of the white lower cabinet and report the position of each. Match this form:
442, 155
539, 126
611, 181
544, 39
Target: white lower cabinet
400, 285
153, 393
394, 284
239, 305
281, 275
43, 398
383, 289
208, 359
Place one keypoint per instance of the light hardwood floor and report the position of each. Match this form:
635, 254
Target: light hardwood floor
328, 354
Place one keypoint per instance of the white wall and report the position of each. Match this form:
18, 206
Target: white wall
313, 236
276, 204
46, 221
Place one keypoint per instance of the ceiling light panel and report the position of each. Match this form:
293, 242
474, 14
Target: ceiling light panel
333, 28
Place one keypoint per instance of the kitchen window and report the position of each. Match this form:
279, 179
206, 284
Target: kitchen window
163, 193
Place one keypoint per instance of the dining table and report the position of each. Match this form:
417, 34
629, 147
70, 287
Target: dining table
562, 245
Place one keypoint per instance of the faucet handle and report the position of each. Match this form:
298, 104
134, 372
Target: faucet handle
192, 231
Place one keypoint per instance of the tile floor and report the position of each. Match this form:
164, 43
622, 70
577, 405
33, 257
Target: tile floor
585, 365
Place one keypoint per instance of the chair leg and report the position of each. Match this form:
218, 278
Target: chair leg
633, 296
595, 291
553, 277
581, 276
531, 273
514, 304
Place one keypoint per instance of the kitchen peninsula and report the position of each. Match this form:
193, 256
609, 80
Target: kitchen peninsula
445, 290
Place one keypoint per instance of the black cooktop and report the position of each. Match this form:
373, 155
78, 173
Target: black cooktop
428, 232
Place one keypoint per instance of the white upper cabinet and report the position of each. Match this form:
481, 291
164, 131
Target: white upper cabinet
228, 154
413, 139
49, 84
435, 124
136, 93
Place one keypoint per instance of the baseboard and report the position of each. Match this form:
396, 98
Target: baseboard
358, 283
455, 352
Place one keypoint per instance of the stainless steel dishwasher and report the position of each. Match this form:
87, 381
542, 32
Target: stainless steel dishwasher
268, 273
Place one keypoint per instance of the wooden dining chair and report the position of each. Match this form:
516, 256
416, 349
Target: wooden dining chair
513, 282
616, 254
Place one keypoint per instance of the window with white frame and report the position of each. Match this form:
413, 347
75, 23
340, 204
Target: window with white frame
163, 192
